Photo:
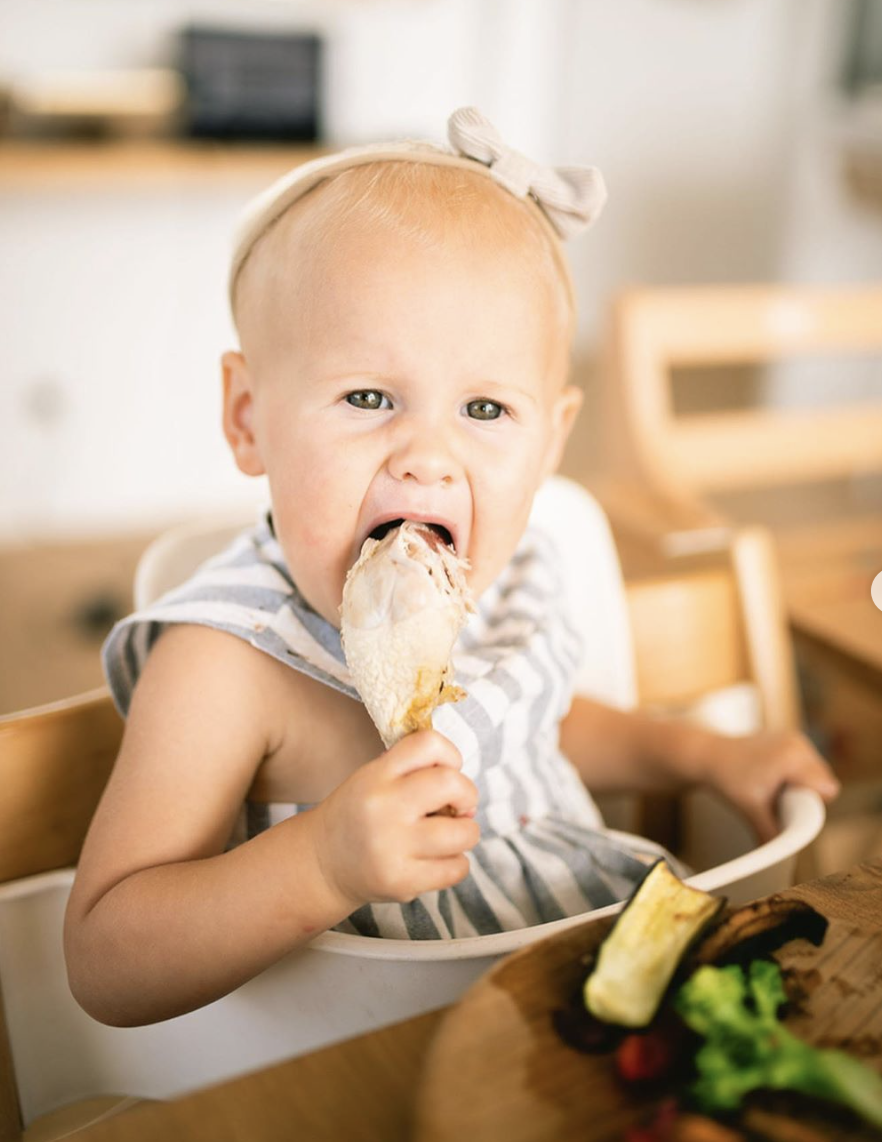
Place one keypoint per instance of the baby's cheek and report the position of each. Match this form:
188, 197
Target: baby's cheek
488, 559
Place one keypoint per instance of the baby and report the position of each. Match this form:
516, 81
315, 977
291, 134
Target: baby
405, 318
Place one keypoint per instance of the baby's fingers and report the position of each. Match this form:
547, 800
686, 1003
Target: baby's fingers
800, 763
764, 819
426, 791
445, 872
814, 772
755, 795
446, 836
420, 750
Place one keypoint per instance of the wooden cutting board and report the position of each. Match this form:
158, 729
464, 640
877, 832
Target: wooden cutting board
498, 1072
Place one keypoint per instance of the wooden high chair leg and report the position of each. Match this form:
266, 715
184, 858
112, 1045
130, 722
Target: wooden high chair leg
755, 559
769, 648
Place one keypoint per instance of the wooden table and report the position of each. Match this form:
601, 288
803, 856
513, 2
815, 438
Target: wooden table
362, 1089
365, 1088
826, 575
827, 572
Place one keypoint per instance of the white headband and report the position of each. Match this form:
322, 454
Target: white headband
570, 199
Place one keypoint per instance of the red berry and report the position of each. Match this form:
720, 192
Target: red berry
642, 1058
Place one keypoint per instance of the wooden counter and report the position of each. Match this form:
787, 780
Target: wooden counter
143, 162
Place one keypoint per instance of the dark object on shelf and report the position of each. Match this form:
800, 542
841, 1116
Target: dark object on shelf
252, 85
96, 613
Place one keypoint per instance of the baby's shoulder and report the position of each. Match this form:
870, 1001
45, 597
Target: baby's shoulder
198, 675
191, 648
302, 736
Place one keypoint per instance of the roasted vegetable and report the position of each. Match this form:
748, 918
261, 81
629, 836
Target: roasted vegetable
638, 958
758, 929
747, 1048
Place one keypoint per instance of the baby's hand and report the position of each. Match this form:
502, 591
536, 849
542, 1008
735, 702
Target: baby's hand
751, 771
379, 839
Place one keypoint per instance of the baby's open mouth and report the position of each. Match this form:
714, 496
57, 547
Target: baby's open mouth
438, 529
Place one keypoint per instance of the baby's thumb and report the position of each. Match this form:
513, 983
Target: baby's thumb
421, 750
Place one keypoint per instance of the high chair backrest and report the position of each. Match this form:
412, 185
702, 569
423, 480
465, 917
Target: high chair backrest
54, 763
654, 331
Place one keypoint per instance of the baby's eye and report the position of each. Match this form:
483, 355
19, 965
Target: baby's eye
368, 398
484, 409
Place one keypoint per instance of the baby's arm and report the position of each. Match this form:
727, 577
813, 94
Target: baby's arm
162, 920
615, 750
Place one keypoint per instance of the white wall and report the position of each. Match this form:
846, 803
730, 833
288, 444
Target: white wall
686, 108
826, 235
710, 120
115, 315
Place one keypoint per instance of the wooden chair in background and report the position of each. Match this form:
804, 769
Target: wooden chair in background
684, 459
678, 483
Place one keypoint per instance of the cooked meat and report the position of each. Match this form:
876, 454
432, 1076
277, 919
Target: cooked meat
404, 603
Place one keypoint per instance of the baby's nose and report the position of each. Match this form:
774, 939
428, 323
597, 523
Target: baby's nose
422, 452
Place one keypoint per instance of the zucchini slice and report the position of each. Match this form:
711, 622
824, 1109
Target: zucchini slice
643, 949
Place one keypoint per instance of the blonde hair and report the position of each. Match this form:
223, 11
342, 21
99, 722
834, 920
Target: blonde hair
428, 205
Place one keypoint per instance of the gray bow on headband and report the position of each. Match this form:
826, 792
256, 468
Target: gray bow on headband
571, 197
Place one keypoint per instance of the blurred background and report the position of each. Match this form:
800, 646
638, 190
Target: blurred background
741, 141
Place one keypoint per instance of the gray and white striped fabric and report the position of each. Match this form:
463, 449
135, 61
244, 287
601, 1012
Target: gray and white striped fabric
544, 853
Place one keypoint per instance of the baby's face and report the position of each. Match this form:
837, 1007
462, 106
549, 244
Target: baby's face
399, 384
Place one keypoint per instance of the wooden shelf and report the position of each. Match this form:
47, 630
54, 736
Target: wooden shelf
145, 162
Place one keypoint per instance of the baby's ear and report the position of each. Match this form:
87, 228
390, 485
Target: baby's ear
564, 413
239, 414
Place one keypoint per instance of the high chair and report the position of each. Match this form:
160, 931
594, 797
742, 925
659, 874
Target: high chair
679, 640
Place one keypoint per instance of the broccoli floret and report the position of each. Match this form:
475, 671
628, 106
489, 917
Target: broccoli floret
746, 1047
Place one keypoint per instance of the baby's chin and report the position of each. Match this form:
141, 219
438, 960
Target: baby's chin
325, 605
